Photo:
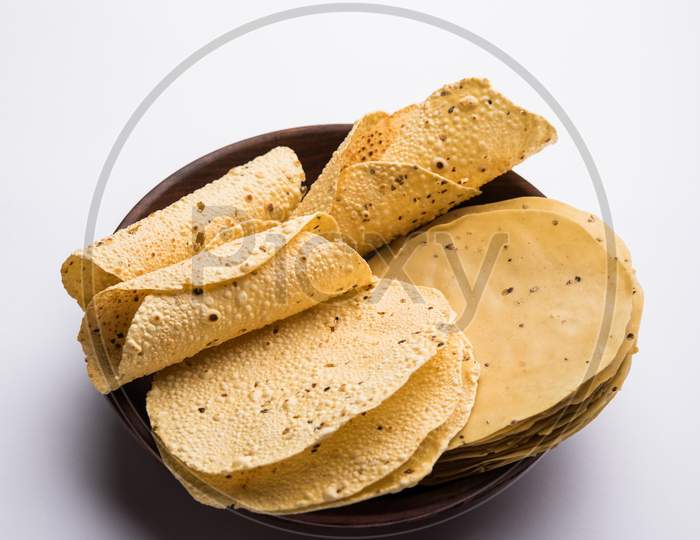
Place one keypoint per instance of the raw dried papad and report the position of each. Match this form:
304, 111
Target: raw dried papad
563, 426
595, 226
542, 424
464, 135
530, 292
271, 394
598, 230
581, 395
140, 326
267, 188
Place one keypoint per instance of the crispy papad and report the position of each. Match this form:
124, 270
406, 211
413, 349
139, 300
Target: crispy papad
422, 160
267, 188
422, 461
270, 394
366, 449
140, 326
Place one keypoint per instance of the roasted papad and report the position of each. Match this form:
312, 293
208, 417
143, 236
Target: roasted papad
394, 173
267, 188
140, 326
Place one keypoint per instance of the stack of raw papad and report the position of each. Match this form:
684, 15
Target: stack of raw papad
394, 173
267, 188
351, 399
548, 297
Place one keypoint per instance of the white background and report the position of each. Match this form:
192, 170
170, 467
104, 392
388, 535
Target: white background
72, 73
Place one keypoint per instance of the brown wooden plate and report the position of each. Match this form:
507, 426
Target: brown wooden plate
411, 509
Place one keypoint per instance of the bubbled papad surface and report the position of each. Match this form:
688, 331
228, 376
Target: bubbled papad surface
379, 201
271, 394
530, 291
468, 132
465, 134
420, 464
366, 449
140, 326
266, 188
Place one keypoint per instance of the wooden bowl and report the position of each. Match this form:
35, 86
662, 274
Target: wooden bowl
411, 509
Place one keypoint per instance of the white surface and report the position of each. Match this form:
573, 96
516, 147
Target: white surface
71, 74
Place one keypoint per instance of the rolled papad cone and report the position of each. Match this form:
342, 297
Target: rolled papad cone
394, 173
140, 326
267, 188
